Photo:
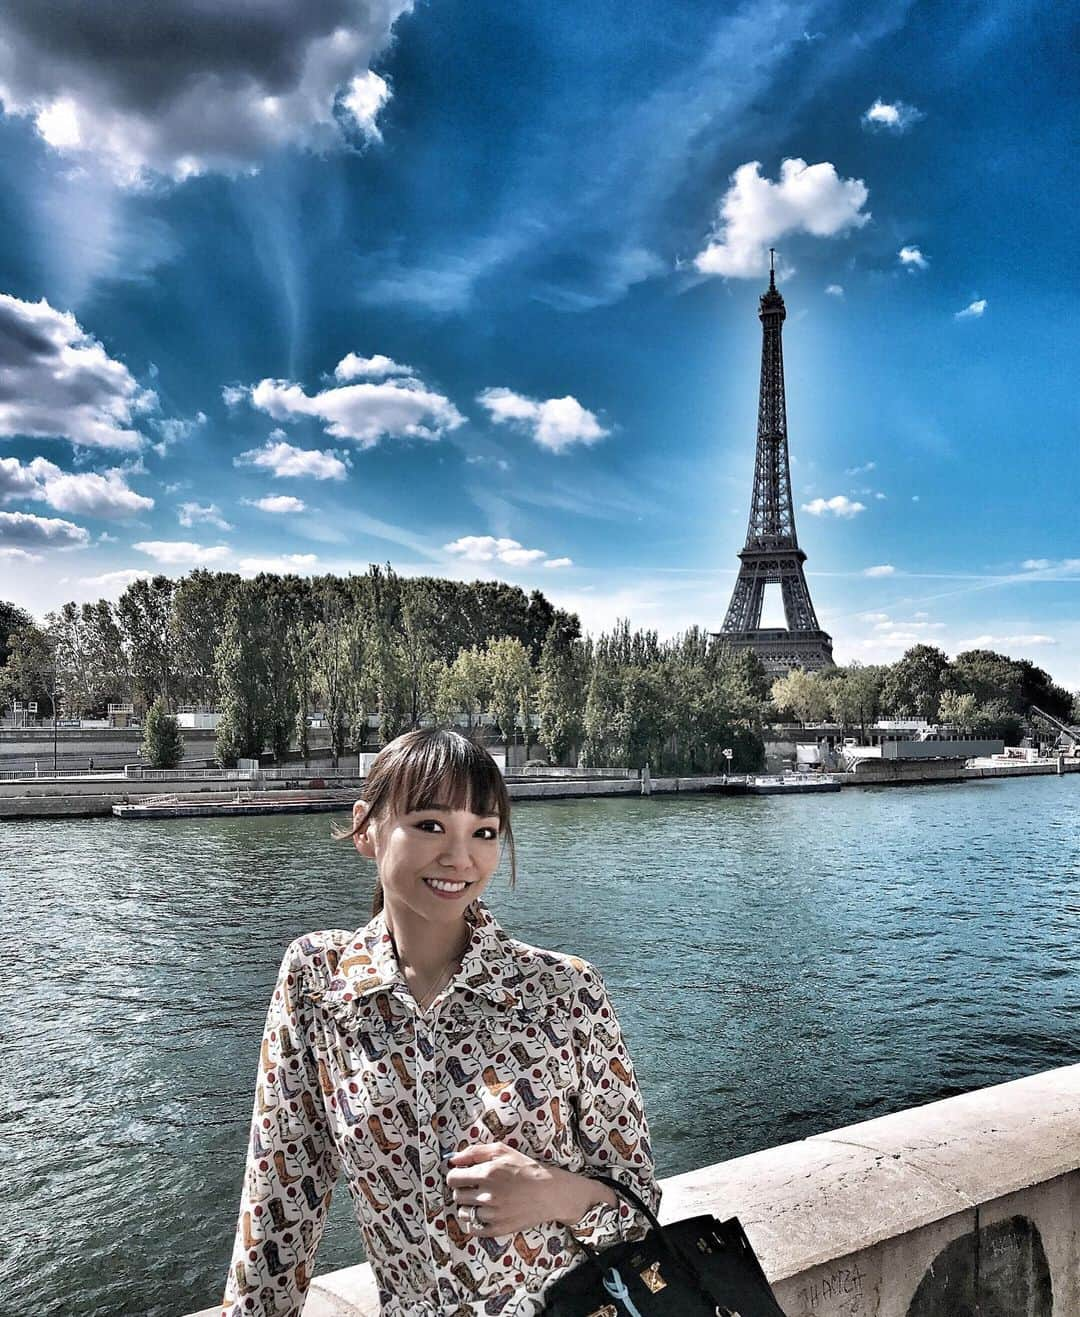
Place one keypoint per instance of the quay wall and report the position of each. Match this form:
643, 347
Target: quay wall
969, 1205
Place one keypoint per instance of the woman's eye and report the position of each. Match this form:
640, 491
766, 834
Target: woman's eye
490, 834
429, 823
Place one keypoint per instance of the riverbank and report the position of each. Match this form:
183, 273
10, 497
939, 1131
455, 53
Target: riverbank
963, 1205
95, 795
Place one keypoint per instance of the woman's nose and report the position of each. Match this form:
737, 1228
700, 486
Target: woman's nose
456, 853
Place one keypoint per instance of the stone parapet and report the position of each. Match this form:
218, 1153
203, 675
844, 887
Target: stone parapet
966, 1206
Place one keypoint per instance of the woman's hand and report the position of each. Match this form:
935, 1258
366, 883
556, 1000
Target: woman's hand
513, 1192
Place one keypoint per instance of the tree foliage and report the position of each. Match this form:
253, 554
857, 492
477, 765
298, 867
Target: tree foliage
163, 744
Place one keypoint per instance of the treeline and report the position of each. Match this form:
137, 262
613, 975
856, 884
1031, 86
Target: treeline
980, 692
269, 652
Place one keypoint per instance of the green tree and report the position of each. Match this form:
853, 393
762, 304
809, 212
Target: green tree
198, 609
144, 612
804, 694
332, 673
11, 618
509, 671
913, 685
301, 647
561, 697
958, 710
854, 696
162, 745
28, 672
241, 677
464, 685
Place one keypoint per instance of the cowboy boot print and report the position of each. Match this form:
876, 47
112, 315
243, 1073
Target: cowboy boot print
401, 1069
497, 1302
370, 1047
284, 1176
310, 1110
521, 1248
382, 1139
607, 1036
634, 1111
406, 1232
412, 1154
332, 958
465, 1277
620, 1072
588, 1146
456, 1071
426, 1047
277, 1214
595, 1072
242, 1281
495, 1125
311, 1195
394, 1189
611, 1107
458, 1237
494, 1248
525, 1091
460, 1112
261, 1102
408, 1117
478, 979
266, 1061
549, 1031
307, 1231
369, 1194
624, 1149
593, 1003
492, 1082
250, 1240
357, 961
522, 1054
325, 1082
257, 1145
289, 1093
382, 1005
389, 1247
286, 1044
274, 1264
313, 1153
556, 1115
301, 1277
345, 1108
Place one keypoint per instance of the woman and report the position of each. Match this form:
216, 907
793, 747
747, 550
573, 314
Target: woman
464, 1083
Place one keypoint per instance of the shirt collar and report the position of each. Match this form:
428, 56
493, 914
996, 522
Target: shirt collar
488, 968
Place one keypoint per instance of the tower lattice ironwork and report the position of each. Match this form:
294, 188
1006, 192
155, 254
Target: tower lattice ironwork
772, 554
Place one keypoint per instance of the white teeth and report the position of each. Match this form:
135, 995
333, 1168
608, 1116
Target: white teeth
441, 885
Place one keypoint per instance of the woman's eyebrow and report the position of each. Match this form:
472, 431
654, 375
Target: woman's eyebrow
447, 809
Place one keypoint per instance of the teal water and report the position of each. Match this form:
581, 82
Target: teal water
780, 967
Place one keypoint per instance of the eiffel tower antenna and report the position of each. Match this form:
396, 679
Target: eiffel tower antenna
771, 554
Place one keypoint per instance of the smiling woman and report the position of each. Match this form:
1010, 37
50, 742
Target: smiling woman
467, 1086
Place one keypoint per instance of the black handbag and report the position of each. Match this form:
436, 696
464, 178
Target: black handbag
700, 1267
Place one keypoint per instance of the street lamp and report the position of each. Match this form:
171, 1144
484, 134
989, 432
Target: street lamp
728, 755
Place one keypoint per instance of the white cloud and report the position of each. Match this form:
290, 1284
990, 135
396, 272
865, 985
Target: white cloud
912, 258
1035, 564
287, 462
559, 562
122, 578
1068, 566
365, 413
352, 367
834, 290
893, 117
279, 503
59, 382
86, 493
283, 565
366, 96
972, 311
488, 548
981, 642
181, 553
838, 506
860, 470
883, 569
190, 87
873, 617
755, 213
191, 514
232, 395
24, 530
555, 424
173, 429
18, 555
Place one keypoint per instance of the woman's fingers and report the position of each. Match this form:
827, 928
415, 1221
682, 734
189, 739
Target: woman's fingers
472, 1197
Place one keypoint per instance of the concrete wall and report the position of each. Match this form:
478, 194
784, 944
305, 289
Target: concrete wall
968, 1207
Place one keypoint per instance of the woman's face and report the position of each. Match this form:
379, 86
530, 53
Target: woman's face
432, 861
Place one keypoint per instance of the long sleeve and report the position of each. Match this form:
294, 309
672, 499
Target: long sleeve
611, 1126
292, 1162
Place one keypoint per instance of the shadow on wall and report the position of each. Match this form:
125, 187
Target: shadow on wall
1013, 1275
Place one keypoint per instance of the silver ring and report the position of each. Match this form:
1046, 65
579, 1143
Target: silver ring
472, 1220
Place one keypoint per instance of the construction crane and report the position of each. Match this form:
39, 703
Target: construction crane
1068, 737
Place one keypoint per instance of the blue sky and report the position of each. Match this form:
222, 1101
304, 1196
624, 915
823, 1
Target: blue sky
473, 289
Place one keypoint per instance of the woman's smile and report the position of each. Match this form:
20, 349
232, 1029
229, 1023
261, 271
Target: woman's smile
447, 888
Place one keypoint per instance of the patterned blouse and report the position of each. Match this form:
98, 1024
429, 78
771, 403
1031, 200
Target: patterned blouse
522, 1046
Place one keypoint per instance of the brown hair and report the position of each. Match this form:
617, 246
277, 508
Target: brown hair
429, 767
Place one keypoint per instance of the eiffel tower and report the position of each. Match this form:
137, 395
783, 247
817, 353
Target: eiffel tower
772, 554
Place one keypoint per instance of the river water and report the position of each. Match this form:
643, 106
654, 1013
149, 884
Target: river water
780, 967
